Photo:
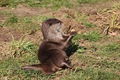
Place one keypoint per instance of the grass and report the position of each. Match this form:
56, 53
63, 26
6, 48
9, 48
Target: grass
19, 47
46, 3
89, 24
22, 46
25, 24
90, 74
87, 1
104, 65
111, 48
84, 20
10, 67
98, 59
114, 23
116, 6
37, 3
90, 36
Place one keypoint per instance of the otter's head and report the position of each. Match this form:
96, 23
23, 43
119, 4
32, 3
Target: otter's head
52, 29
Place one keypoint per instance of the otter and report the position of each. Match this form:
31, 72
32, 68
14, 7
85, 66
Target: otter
52, 58
51, 53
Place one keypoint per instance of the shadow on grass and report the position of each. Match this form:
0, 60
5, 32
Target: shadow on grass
73, 48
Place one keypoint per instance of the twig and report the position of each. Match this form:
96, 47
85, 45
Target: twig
106, 30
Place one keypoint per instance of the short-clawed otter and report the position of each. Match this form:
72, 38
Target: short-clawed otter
51, 54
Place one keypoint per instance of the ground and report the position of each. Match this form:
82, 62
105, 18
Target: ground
97, 24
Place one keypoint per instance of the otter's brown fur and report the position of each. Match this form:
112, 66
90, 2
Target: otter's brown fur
51, 54
52, 30
46, 26
52, 58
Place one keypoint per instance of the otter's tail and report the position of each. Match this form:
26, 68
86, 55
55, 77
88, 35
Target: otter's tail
42, 67
32, 67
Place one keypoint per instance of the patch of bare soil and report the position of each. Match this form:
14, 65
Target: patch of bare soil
6, 34
2, 17
35, 37
22, 10
4, 46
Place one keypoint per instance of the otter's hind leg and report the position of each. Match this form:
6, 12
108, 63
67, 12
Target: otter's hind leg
66, 65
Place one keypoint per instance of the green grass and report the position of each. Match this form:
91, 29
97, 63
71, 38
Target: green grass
96, 70
90, 74
22, 46
91, 1
101, 63
89, 24
19, 47
84, 20
11, 68
26, 24
105, 65
90, 36
13, 19
38, 3
46, 3
87, 1
112, 48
